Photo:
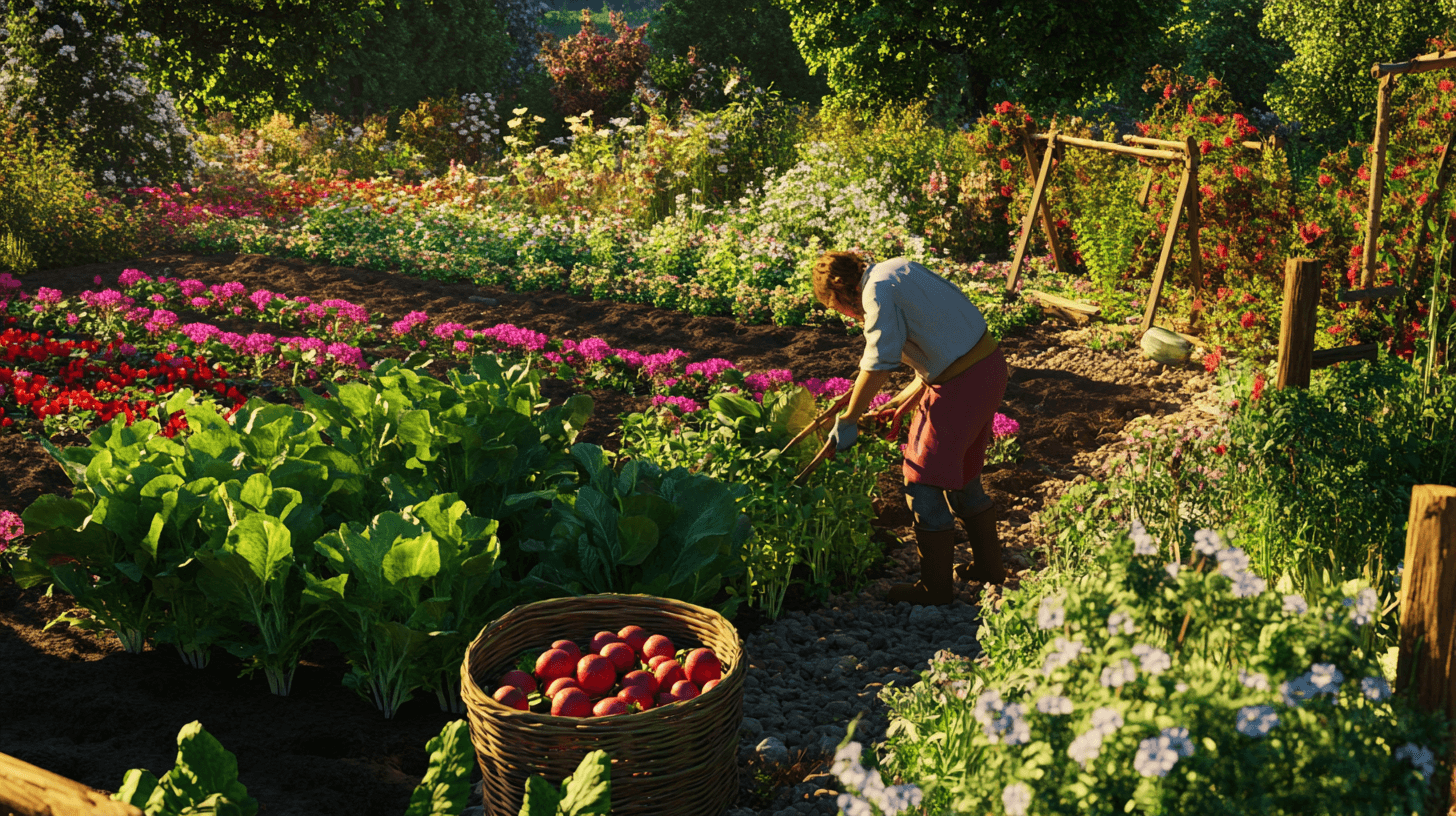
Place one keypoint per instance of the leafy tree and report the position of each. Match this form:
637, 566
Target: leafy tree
1056, 52
417, 50
1327, 84
1221, 38
753, 33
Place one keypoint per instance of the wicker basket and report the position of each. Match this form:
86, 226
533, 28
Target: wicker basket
679, 759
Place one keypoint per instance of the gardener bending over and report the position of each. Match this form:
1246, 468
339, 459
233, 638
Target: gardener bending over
913, 315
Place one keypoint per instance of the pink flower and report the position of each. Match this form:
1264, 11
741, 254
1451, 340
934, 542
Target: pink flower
1002, 425
11, 528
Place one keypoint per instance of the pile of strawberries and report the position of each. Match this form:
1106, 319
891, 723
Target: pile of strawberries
621, 673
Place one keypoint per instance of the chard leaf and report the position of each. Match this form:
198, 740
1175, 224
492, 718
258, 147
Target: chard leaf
446, 787
588, 792
638, 535
410, 559
136, 787
264, 545
203, 769
51, 511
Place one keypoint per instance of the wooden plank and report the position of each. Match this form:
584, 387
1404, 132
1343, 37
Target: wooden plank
1180, 203
1147, 191
1048, 224
1148, 141
1296, 326
1427, 661
1195, 226
1377, 181
1027, 220
26, 790
1357, 295
1419, 65
1065, 303
1113, 147
1324, 358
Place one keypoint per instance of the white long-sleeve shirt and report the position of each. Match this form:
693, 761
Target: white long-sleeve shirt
915, 316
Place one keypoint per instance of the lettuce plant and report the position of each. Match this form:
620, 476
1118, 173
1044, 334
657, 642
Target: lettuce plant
203, 781
587, 792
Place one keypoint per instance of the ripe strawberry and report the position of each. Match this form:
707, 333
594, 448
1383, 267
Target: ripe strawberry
634, 636
640, 678
638, 695
702, 665
569, 647
513, 697
554, 663
657, 661
620, 654
609, 707
596, 674
572, 702
519, 679
601, 639
685, 690
658, 645
561, 683
665, 698
708, 686
667, 673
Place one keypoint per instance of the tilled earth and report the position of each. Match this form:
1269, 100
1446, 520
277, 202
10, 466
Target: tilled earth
82, 708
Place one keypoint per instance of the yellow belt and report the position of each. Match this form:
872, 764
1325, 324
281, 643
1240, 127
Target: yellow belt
978, 352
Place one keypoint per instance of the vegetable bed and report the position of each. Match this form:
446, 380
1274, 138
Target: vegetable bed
322, 749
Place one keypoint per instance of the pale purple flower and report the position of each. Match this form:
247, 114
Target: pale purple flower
1248, 585
1254, 680
1050, 614
1054, 704
1085, 747
1256, 721
1421, 757
1119, 674
1016, 798
1172, 569
1157, 755
1207, 542
1120, 622
1363, 607
1106, 720
1142, 543
1063, 653
1374, 688
1153, 660
1295, 604
1325, 678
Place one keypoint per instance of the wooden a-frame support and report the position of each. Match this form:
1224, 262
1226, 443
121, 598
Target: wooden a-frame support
1185, 206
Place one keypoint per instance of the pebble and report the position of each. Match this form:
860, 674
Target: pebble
772, 751
483, 300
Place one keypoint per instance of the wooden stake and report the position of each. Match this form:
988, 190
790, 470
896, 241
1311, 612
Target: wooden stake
26, 790
1195, 223
1180, 203
1147, 191
1113, 147
1296, 327
1377, 180
1054, 242
1428, 604
1443, 177
1030, 218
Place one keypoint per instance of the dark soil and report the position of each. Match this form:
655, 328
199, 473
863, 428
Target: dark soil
77, 705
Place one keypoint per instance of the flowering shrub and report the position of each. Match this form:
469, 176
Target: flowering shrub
594, 72
87, 88
447, 130
1168, 678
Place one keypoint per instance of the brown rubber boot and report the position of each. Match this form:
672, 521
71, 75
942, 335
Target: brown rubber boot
935, 588
985, 546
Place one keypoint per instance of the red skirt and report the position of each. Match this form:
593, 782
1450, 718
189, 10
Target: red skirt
952, 426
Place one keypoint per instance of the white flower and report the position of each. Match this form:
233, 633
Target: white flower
1120, 622
1153, 660
1256, 721
851, 805
1295, 604
1325, 678
1106, 720
1207, 542
1247, 585
1142, 543
1050, 614
55, 32
1364, 606
1254, 680
1172, 569
1054, 704
1232, 561
1420, 757
1374, 688
1085, 748
1178, 740
1119, 674
1016, 799
1155, 757
1063, 653
722, 168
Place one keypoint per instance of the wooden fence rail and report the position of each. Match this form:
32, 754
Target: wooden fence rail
26, 790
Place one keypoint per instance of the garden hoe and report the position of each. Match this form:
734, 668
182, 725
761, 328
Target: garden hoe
819, 422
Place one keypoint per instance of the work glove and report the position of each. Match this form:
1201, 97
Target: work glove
844, 434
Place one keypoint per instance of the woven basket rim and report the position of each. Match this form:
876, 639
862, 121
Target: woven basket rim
589, 724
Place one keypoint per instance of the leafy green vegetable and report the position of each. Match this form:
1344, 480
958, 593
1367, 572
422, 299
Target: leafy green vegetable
203, 781
446, 786
588, 792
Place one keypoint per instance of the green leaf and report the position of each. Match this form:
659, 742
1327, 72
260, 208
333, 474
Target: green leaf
445, 788
638, 535
136, 787
412, 558
588, 792
542, 798
263, 544
203, 768
50, 511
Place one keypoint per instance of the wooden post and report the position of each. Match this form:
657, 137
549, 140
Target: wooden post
1054, 243
1428, 605
1296, 327
26, 790
1180, 203
1147, 190
1377, 180
1030, 218
1443, 177
1195, 223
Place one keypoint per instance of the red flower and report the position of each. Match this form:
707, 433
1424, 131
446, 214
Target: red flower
1445, 85
1211, 361
1248, 319
1205, 146
1311, 232
1006, 192
1005, 107
1325, 180
1220, 449
1258, 386
1005, 164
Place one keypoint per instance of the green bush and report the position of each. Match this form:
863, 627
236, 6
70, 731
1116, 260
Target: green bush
50, 215
753, 34
1167, 679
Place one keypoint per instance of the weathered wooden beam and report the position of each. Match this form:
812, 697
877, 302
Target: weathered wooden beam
26, 790
1180, 205
1427, 661
1358, 295
1113, 147
1072, 311
1147, 191
1037, 193
1419, 65
1296, 326
1048, 223
1148, 141
1324, 358
1377, 180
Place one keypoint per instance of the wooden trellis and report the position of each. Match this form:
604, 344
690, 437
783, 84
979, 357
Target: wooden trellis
1388, 73
1185, 205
